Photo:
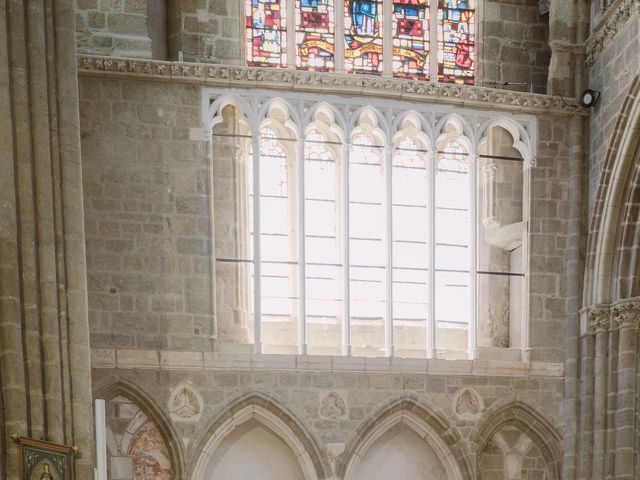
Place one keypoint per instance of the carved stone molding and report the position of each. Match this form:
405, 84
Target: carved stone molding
627, 313
292, 80
607, 30
598, 317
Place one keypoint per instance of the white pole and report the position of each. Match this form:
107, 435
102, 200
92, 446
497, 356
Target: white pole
473, 317
346, 311
101, 441
431, 209
302, 269
257, 265
389, 346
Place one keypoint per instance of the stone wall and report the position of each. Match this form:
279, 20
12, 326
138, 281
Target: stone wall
332, 410
148, 226
146, 215
206, 30
513, 44
122, 28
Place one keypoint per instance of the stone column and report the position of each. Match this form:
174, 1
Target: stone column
44, 338
627, 315
599, 321
585, 439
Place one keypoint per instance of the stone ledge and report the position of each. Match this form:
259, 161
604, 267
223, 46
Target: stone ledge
165, 360
211, 75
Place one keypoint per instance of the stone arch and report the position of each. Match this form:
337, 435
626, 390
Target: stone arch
428, 424
613, 224
146, 404
526, 419
520, 137
280, 422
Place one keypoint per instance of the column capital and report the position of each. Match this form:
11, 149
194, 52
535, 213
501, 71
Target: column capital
627, 313
598, 317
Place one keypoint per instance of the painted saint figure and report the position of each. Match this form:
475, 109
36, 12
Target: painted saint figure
46, 475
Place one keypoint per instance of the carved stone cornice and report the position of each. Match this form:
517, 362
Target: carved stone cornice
598, 317
609, 27
313, 82
627, 313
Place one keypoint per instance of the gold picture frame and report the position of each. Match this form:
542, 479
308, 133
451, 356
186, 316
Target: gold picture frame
40, 460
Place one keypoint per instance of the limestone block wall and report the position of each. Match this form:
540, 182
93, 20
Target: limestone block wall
206, 30
147, 215
513, 44
122, 28
331, 412
148, 224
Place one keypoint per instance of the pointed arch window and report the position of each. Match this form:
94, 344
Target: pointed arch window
415, 39
376, 233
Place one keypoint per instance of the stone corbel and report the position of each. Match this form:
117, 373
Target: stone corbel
627, 313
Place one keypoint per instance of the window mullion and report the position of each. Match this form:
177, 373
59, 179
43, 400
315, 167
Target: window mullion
346, 311
387, 40
473, 281
291, 33
339, 35
388, 198
431, 256
302, 276
257, 275
433, 40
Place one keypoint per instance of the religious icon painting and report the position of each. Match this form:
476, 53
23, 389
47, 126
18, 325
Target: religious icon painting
44, 460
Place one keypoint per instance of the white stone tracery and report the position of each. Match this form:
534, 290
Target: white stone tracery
386, 124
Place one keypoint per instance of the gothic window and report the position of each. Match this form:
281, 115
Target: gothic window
315, 35
456, 41
369, 230
416, 39
266, 33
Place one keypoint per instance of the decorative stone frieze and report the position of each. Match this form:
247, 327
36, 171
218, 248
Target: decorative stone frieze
627, 313
613, 22
291, 80
598, 318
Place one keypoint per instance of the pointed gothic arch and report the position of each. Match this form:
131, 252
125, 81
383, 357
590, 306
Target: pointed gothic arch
526, 419
154, 413
614, 222
423, 420
274, 418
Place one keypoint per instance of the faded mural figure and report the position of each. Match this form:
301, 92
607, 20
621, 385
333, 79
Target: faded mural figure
131, 433
46, 475
44, 471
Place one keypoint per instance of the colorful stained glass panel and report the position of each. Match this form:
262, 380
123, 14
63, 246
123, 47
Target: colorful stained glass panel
315, 35
363, 36
265, 22
411, 39
456, 41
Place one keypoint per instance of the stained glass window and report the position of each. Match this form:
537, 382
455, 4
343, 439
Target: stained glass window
315, 35
265, 22
456, 41
411, 39
363, 36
